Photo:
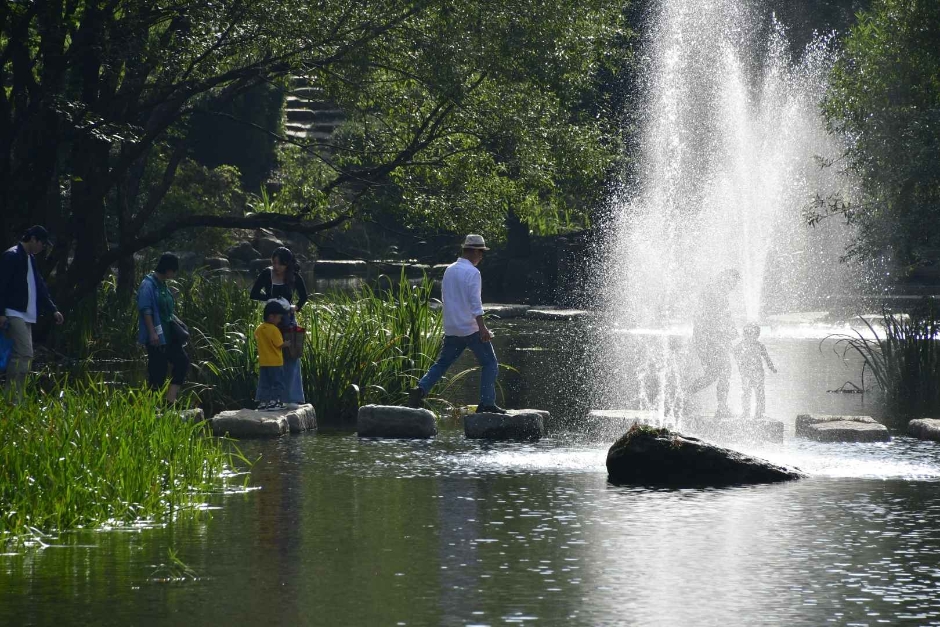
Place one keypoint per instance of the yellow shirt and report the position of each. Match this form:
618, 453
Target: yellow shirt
270, 342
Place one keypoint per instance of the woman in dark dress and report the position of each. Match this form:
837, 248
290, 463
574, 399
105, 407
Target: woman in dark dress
282, 280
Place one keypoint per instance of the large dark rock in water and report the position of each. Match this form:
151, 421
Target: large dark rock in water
659, 457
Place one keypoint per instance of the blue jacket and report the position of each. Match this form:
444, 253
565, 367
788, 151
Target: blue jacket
14, 287
147, 303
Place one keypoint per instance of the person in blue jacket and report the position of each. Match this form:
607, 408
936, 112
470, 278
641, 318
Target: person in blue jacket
156, 307
23, 297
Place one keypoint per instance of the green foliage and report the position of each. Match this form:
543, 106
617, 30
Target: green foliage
884, 97
470, 111
198, 190
83, 454
905, 360
454, 114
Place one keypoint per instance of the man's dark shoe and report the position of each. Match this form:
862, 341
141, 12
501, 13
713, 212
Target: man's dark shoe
490, 409
416, 397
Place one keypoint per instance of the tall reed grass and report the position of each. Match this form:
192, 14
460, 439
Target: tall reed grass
904, 358
88, 453
365, 347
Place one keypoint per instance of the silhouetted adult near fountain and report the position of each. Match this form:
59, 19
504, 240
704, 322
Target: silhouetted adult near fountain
713, 333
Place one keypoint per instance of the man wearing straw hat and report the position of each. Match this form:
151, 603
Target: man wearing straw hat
464, 328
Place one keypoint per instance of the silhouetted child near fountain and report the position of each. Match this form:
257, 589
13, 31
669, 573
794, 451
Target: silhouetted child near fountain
751, 355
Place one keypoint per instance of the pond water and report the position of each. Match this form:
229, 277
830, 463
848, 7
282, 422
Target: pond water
342, 531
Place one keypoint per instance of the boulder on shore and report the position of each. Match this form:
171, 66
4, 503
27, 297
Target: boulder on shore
243, 251
392, 421
659, 457
518, 424
924, 429
251, 423
829, 428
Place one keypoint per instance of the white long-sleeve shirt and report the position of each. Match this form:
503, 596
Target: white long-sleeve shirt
461, 290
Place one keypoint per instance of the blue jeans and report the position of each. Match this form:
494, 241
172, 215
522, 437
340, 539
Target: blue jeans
270, 384
454, 346
293, 382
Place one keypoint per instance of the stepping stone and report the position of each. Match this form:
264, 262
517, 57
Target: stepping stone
191, 415
251, 423
392, 421
924, 429
304, 418
518, 424
611, 422
826, 428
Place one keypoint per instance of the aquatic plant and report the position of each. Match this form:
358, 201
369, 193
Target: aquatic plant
904, 358
88, 453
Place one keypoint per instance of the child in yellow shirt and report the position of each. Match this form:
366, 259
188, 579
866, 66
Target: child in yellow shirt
270, 358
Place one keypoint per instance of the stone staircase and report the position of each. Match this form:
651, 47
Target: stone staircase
309, 116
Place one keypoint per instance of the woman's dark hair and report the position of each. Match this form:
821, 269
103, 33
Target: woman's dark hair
168, 261
286, 258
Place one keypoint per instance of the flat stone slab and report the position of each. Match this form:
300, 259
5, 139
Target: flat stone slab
251, 423
553, 313
392, 421
518, 424
830, 428
925, 429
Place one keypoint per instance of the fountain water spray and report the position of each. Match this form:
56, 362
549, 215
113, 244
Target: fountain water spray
730, 152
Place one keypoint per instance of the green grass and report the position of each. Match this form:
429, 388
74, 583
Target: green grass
904, 359
81, 455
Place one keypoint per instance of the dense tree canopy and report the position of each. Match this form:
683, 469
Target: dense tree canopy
456, 113
885, 98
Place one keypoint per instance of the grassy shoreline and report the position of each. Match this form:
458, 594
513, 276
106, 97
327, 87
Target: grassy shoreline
85, 454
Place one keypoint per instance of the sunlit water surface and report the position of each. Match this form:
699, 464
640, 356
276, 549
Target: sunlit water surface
453, 532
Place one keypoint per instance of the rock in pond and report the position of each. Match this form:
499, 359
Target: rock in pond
518, 424
924, 429
391, 421
827, 428
251, 423
659, 457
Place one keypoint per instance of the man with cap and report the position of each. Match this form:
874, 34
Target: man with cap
23, 296
464, 328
